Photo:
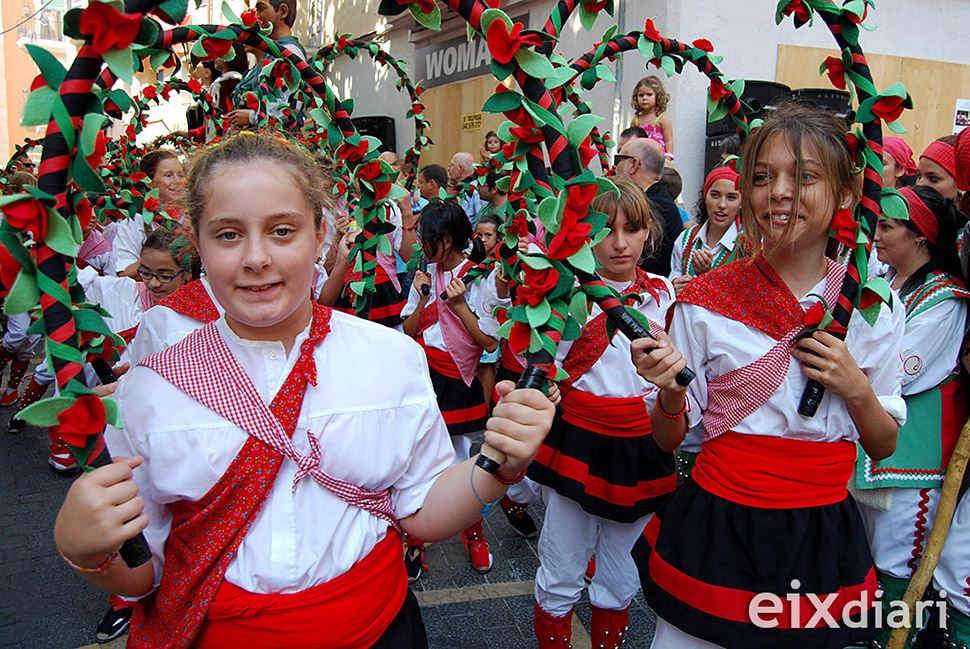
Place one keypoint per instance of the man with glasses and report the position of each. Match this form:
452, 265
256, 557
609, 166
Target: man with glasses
642, 161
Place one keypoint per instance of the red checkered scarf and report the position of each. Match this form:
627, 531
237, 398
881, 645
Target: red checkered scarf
589, 347
206, 534
760, 299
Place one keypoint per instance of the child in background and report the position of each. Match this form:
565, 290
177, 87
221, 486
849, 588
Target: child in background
650, 100
492, 146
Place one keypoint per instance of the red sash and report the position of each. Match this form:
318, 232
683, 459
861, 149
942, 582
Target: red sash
608, 416
593, 342
440, 361
364, 600
773, 472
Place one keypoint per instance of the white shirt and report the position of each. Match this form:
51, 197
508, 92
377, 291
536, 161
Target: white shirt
714, 345
725, 243
613, 375
378, 426
128, 240
931, 345
474, 296
118, 296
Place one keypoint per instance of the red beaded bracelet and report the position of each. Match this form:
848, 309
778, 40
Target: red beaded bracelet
103, 568
666, 414
517, 478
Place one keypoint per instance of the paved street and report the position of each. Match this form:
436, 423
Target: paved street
43, 605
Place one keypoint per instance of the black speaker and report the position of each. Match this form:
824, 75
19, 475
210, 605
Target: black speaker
712, 151
381, 127
824, 99
760, 96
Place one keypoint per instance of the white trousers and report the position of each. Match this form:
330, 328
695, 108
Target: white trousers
569, 538
953, 572
16, 340
668, 636
896, 534
524, 492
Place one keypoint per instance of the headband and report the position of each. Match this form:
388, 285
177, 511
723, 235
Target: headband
921, 216
901, 153
942, 154
721, 173
962, 148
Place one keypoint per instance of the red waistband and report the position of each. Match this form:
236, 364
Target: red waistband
509, 361
357, 607
775, 473
626, 417
440, 361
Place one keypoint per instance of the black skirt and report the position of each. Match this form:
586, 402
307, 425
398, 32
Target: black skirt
462, 406
701, 558
618, 478
386, 302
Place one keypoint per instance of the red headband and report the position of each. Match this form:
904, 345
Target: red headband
942, 154
901, 153
721, 173
921, 216
963, 160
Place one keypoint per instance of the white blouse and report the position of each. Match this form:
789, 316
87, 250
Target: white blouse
128, 240
724, 244
117, 295
714, 345
378, 426
931, 345
161, 327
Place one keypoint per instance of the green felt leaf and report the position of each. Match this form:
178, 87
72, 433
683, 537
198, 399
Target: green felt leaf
572, 329
50, 68
230, 14
490, 15
501, 102
121, 99
534, 261
667, 63
148, 31
605, 73
44, 412
645, 46
893, 204
895, 127
534, 64
24, 295
580, 128
871, 314
583, 259
72, 24
561, 76
586, 18
397, 192
40, 104
880, 287
89, 132
59, 237
538, 315
578, 307
121, 62
502, 71
535, 341
384, 246
505, 330
431, 21
544, 117
112, 413
86, 177
588, 79
174, 9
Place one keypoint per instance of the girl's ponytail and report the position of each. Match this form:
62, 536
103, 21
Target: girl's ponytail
475, 250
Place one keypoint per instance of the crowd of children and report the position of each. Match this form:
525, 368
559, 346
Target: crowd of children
288, 461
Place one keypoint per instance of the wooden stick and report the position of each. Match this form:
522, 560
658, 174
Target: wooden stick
941, 526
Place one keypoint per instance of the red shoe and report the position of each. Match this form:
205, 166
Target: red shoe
62, 462
474, 541
9, 398
552, 632
608, 628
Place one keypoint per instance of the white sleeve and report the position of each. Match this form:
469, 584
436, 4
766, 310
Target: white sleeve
397, 220
128, 241
677, 256
931, 345
885, 369
689, 335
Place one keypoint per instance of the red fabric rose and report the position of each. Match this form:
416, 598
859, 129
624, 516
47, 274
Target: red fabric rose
718, 89
82, 420
866, 300
593, 6
427, 6
519, 225
844, 228
519, 337
650, 31
248, 18
84, 212
504, 44
342, 42
149, 92
138, 177
38, 82
537, 284
108, 28
814, 315
572, 234
195, 86
703, 44
835, 68
889, 108
350, 153
27, 214
100, 147
130, 132
586, 152
858, 19
800, 11
522, 134
520, 116
853, 142
152, 204
252, 102
370, 170
215, 48
9, 268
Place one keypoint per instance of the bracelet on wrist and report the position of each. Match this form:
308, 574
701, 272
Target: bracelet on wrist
486, 506
101, 568
668, 415
516, 479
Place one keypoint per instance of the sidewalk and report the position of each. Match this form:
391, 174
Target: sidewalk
44, 605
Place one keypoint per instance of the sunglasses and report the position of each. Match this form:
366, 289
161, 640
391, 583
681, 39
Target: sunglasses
618, 158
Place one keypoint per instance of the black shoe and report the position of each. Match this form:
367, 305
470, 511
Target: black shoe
15, 425
114, 624
519, 518
414, 562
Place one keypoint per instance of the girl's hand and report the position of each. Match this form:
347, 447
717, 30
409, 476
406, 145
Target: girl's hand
102, 510
827, 360
343, 251
455, 292
680, 282
341, 225
554, 395
658, 361
422, 279
702, 260
518, 425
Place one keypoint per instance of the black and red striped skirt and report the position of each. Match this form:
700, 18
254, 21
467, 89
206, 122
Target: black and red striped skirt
794, 573
386, 302
462, 406
600, 453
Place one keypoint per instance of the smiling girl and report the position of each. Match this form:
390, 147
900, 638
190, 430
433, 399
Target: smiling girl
752, 519
270, 480
601, 472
